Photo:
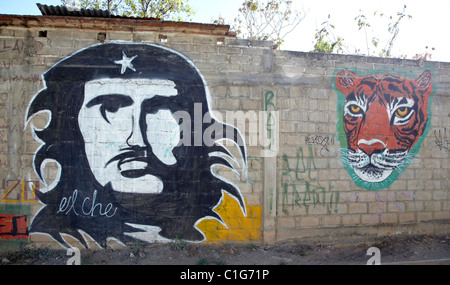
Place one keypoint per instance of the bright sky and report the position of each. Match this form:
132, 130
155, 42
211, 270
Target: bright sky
428, 26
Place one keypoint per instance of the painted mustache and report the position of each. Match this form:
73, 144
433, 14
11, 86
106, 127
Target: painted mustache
135, 160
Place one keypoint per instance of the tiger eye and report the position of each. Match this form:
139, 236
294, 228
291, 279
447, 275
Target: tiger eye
402, 112
355, 109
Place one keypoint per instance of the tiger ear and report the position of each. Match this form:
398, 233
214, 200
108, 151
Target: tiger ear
425, 84
345, 81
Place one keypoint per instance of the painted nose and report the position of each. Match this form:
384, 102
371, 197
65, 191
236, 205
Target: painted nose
371, 146
135, 138
375, 130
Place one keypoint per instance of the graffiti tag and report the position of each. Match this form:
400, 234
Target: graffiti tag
19, 191
300, 185
442, 140
323, 141
13, 226
88, 206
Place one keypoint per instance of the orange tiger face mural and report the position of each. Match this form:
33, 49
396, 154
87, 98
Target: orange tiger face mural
384, 118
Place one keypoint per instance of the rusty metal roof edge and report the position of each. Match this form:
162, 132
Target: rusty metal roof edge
53, 13
151, 20
50, 10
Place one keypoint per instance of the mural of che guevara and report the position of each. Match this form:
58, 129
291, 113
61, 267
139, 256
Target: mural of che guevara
126, 166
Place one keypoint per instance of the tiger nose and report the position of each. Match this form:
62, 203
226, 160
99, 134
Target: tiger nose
375, 130
371, 146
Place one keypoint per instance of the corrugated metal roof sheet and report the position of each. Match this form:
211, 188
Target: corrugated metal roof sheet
115, 23
49, 10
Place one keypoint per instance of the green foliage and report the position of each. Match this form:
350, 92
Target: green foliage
28, 255
377, 46
178, 244
424, 55
326, 42
137, 247
176, 10
394, 29
267, 20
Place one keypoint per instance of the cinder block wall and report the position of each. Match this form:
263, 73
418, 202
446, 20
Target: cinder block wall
336, 147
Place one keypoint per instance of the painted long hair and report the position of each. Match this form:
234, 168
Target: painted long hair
191, 190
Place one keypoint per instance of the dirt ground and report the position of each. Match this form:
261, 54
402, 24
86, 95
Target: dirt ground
393, 250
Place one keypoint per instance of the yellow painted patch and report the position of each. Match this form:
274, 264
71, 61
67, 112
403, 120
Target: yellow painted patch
240, 227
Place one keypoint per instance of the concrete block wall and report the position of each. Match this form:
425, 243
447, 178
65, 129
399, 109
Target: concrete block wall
297, 180
317, 197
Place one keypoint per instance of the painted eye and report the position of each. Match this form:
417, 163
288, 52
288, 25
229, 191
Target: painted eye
110, 103
354, 109
402, 112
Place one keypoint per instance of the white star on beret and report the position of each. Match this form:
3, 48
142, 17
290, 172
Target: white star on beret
126, 63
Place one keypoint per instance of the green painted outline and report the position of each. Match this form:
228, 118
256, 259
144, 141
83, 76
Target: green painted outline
375, 186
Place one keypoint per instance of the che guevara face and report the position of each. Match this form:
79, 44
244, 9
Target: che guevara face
120, 124
121, 133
